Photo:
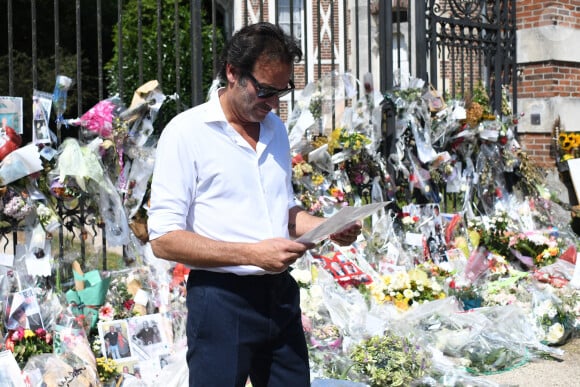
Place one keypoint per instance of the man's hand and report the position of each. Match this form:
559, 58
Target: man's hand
348, 235
278, 253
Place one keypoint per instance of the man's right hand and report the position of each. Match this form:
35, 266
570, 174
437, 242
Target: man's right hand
277, 254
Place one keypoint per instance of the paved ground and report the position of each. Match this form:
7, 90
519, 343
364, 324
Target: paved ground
546, 373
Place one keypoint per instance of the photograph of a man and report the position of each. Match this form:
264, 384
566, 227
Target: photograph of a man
112, 339
148, 334
19, 318
23, 311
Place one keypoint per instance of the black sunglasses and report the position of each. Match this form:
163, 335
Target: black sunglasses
267, 92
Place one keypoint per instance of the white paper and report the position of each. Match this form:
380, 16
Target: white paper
10, 370
7, 259
414, 239
36, 266
22, 162
339, 220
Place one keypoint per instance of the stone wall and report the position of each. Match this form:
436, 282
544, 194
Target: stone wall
549, 73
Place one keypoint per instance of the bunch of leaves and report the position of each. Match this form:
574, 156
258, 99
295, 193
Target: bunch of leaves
485, 361
390, 360
495, 234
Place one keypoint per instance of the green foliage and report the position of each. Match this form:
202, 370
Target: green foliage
389, 360
23, 87
175, 54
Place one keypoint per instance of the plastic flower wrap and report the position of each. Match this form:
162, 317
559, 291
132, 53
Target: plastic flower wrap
81, 164
509, 290
99, 119
63, 369
48, 219
16, 205
535, 249
59, 100
485, 340
70, 336
554, 318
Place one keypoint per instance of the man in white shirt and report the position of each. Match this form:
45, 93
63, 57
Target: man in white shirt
222, 204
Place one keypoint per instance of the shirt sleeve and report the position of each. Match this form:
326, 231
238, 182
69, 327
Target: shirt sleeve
172, 184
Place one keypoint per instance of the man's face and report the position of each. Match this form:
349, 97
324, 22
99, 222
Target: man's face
21, 317
268, 74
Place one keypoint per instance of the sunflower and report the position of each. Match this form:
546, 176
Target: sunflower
568, 141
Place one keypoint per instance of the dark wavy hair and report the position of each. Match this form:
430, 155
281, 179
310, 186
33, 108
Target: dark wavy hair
255, 40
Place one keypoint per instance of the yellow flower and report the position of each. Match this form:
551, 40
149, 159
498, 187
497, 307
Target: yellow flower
317, 179
419, 276
28, 334
402, 304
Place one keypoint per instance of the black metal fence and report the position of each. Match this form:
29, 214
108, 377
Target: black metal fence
451, 44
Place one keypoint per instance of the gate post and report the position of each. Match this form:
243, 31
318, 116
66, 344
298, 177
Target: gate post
421, 43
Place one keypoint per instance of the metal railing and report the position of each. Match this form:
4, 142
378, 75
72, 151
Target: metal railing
42, 39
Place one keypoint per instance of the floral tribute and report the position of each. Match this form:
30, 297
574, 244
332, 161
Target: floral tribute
467, 216
25, 343
390, 360
406, 289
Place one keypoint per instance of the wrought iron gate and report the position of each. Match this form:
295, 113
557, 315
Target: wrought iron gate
451, 43
467, 42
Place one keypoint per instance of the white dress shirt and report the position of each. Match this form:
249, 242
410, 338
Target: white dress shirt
208, 179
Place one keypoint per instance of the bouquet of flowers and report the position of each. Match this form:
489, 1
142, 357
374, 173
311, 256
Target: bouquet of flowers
554, 319
47, 217
25, 343
107, 369
15, 205
466, 292
407, 288
389, 360
535, 249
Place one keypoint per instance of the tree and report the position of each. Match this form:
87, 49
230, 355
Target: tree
175, 63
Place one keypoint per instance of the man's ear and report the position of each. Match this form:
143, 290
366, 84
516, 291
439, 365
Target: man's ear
231, 73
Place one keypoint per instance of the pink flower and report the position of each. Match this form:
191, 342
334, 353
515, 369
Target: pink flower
18, 334
106, 312
306, 323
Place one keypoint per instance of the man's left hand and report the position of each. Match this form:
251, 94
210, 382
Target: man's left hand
348, 235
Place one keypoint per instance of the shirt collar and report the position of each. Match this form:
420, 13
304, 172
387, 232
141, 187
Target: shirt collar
215, 113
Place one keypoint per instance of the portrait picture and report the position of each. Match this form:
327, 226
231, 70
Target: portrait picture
148, 336
41, 107
23, 311
114, 342
11, 113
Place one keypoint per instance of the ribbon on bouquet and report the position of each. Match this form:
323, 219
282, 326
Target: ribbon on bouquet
89, 293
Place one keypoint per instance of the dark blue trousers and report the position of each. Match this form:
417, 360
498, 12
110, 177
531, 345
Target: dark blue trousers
245, 326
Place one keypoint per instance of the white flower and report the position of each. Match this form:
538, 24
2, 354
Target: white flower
408, 293
302, 276
552, 312
435, 286
555, 333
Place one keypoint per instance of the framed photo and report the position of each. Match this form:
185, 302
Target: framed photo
41, 107
22, 310
149, 335
114, 340
11, 113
